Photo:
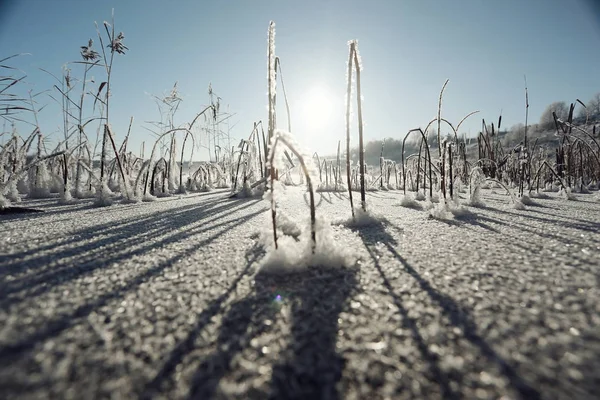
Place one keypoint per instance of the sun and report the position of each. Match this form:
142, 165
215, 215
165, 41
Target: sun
317, 108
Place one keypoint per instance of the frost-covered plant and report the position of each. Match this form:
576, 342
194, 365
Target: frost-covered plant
409, 201
355, 60
435, 198
476, 180
526, 200
427, 161
448, 210
441, 212
116, 46
363, 218
297, 250
90, 59
274, 163
271, 81
103, 195
153, 152
65, 194
247, 162
567, 194
516, 202
16, 175
538, 194
181, 184
543, 165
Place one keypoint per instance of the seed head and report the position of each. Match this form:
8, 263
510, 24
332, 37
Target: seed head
117, 44
88, 53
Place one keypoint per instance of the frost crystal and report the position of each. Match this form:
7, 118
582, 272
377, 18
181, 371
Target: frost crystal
294, 255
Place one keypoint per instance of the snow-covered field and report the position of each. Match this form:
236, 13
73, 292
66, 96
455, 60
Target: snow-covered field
169, 299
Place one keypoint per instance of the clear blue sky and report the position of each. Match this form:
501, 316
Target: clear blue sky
408, 48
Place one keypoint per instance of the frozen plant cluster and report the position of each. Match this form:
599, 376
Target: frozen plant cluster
295, 253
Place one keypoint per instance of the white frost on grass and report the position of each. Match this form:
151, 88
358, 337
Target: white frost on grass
39, 179
103, 196
409, 201
567, 194
4, 202
364, 218
526, 200
475, 199
132, 200
435, 198
12, 193
148, 197
460, 186
164, 194
89, 192
448, 210
287, 226
248, 192
551, 188
475, 202
539, 195
518, 204
441, 211
65, 194
293, 255
277, 193
457, 209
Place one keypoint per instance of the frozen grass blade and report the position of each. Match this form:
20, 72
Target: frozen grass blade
348, 106
354, 59
439, 117
280, 138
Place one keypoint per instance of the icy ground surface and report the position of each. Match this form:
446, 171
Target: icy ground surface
167, 300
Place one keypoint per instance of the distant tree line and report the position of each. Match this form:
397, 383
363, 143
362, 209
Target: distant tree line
392, 147
589, 113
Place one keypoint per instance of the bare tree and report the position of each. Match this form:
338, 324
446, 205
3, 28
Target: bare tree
560, 108
515, 134
592, 110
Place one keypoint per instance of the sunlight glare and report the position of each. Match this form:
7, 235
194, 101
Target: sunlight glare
317, 108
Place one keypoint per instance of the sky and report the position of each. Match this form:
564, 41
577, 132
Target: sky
408, 49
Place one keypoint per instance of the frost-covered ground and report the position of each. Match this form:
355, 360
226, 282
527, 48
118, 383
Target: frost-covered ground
168, 300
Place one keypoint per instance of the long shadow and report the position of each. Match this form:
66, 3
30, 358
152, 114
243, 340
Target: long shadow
589, 226
475, 222
79, 205
340, 196
531, 245
203, 209
183, 348
457, 315
479, 220
13, 210
311, 367
92, 260
556, 213
545, 233
120, 242
326, 196
78, 236
586, 226
314, 367
55, 326
372, 235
